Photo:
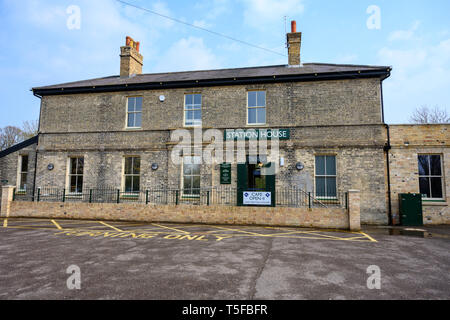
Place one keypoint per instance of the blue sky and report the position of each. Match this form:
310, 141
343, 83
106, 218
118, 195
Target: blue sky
37, 48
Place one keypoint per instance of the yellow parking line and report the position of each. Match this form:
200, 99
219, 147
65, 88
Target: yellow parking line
178, 230
5, 223
237, 230
286, 233
117, 229
370, 238
56, 224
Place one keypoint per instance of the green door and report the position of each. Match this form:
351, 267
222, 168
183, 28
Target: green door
249, 181
411, 209
242, 183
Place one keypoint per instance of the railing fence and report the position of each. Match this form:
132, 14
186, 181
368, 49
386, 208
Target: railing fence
222, 195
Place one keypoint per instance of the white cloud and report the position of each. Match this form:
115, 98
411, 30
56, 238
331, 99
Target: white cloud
262, 13
95, 46
404, 34
419, 77
201, 24
188, 54
37, 13
214, 8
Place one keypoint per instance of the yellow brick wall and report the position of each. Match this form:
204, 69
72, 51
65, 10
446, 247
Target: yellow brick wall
335, 218
403, 160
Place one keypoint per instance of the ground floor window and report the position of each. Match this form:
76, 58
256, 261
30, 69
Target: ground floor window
325, 176
23, 173
132, 174
191, 175
76, 172
430, 177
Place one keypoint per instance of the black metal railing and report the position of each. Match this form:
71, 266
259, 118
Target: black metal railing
296, 197
221, 195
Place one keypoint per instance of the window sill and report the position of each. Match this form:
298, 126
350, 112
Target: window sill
186, 197
262, 125
438, 203
74, 195
129, 196
133, 129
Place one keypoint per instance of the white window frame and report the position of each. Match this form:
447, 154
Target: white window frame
194, 108
185, 195
69, 175
20, 172
125, 175
433, 176
257, 107
133, 112
325, 176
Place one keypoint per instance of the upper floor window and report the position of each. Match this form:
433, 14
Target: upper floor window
326, 177
192, 110
430, 177
256, 107
132, 174
23, 173
134, 112
76, 171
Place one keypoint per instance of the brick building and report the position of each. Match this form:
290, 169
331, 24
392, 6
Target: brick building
116, 132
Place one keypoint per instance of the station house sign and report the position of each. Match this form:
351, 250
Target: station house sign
257, 134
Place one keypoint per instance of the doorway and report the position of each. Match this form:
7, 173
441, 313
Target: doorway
256, 176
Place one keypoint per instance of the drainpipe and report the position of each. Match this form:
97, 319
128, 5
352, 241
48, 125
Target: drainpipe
37, 144
387, 148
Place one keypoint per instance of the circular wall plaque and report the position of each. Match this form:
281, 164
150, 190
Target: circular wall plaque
299, 166
50, 167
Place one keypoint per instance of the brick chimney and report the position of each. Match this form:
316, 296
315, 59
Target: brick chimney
294, 42
131, 61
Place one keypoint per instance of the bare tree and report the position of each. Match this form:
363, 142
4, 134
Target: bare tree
30, 129
10, 136
424, 115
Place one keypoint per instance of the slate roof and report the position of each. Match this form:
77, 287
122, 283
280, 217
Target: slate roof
19, 146
188, 78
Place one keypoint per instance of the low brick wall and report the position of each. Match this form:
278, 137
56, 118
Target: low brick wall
336, 218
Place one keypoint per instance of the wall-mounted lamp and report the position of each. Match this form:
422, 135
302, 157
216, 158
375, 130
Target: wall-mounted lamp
299, 166
155, 166
406, 143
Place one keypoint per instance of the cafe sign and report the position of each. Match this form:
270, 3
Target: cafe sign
257, 198
257, 134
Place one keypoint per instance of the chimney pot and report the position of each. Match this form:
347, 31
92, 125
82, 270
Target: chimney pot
293, 26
